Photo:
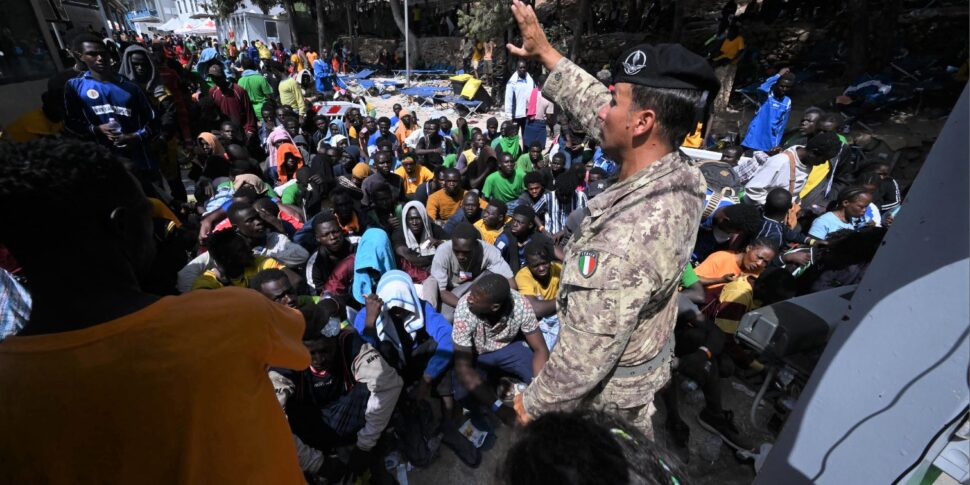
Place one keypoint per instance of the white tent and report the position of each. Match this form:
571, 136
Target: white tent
197, 26
172, 24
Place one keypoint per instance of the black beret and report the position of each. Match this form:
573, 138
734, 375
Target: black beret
665, 66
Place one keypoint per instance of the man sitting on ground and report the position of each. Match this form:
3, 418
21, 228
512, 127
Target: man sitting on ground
472, 207
520, 231
491, 321
458, 263
507, 183
493, 221
446, 201
538, 281
233, 262
795, 160
332, 247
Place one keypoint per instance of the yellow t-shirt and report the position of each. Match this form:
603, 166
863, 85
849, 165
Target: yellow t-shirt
731, 48
176, 392
528, 285
208, 280
411, 185
31, 126
490, 235
738, 292
816, 176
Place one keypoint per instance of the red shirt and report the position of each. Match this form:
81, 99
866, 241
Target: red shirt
236, 106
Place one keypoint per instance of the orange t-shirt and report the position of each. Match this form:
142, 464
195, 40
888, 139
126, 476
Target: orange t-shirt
441, 207
411, 185
717, 265
176, 392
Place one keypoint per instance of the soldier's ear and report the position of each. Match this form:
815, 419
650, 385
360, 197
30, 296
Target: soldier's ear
644, 122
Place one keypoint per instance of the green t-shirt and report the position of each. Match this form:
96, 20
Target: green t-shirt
688, 277
291, 195
524, 163
498, 187
258, 89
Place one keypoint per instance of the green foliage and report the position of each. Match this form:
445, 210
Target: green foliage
225, 8
485, 20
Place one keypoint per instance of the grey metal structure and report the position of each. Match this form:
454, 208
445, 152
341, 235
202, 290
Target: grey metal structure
894, 374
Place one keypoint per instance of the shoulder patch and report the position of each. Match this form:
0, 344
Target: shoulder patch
588, 261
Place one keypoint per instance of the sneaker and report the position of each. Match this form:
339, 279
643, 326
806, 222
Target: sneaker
722, 424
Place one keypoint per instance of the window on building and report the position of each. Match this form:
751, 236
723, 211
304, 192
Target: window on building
24, 53
271, 30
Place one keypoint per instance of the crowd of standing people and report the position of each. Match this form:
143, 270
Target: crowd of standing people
362, 267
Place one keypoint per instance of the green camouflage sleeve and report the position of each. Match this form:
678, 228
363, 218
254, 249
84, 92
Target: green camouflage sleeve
598, 316
578, 93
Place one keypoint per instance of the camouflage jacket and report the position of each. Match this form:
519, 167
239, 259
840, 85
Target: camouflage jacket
621, 269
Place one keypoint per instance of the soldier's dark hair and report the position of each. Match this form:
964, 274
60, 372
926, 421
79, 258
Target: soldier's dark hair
46, 175
494, 287
602, 448
676, 110
265, 276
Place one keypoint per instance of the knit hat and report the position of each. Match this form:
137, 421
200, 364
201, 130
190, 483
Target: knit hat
361, 170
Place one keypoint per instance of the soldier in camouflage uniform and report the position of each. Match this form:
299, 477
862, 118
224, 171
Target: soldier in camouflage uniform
622, 268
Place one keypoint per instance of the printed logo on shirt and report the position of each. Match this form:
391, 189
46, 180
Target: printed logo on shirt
635, 62
588, 261
106, 109
465, 276
500, 245
93, 93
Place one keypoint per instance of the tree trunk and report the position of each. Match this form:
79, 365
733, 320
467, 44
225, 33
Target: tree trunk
859, 38
350, 25
397, 10
578, 29
678, 23
321, 26
291, 14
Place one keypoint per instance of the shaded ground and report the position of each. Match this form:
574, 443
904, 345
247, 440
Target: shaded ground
700, 469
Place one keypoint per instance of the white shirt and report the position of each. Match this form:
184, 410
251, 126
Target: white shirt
776, 173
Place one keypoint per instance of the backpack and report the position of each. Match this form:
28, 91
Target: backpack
719, 176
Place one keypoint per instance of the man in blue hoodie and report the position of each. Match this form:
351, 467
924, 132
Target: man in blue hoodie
105, 107
768, 125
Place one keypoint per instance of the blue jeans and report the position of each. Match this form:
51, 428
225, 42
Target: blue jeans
515, 358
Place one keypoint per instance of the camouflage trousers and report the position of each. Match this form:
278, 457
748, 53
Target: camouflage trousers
632, 398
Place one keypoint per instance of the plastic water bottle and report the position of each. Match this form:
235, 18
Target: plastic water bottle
114, 126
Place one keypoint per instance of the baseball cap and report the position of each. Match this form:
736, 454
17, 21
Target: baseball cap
665, 66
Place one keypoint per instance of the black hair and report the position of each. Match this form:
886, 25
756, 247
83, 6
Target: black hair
46, 175
870, 178
265, 276
339, 191
303, 174
537, 248
525, 210
533, 177
384, 119
788, 76
85, 37
501, 206
220, 244
816, 110
491, 121
465, 230
268, 205
323, 218
232, 212
246, 192
827, 145
676, 110
831, 118
598, 171
774, 284
247, 62
535, 144
777, 201
240, 166
559, 155
849, 194
763, 242
602, 448
743, 218
566, 184
494, 287
450, 171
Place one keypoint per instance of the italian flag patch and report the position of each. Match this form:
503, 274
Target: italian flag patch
588, 261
